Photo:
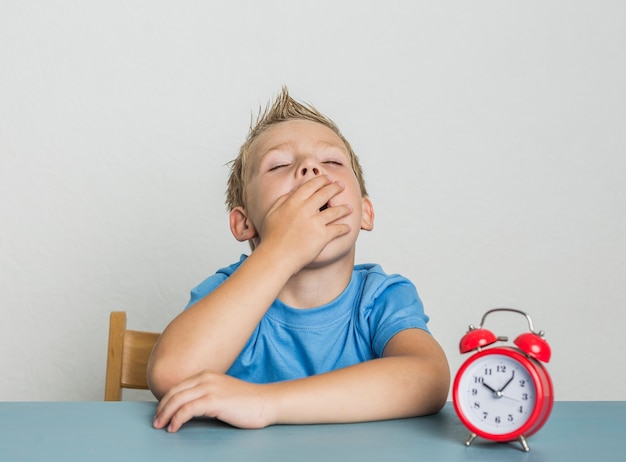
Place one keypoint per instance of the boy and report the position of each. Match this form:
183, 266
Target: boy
295, 333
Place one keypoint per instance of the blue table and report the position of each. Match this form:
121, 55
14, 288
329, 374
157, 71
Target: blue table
117, 431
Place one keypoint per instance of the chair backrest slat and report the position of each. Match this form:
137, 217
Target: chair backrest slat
127, 357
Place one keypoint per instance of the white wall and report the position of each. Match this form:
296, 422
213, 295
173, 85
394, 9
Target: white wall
492, 135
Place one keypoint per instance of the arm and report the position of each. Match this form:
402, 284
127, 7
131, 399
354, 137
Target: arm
411, 379
210, 334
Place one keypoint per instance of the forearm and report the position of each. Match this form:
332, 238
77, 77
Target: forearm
211, 333
392, 387
411, 379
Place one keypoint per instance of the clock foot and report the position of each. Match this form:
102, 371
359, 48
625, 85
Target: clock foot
470, 438
524, 443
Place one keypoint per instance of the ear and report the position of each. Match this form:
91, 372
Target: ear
367, 208
241, 227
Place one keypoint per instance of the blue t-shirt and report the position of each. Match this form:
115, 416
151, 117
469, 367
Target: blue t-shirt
292, 343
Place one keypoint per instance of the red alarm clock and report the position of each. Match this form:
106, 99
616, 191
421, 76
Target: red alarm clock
503, 393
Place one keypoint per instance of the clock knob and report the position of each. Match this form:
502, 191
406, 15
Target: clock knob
476, 338
534, 346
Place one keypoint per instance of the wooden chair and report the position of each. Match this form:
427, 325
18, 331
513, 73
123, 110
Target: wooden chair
127, 358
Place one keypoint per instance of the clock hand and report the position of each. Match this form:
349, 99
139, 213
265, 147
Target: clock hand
508, 381
496, 393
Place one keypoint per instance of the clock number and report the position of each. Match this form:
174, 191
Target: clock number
524, 396
522, 383
521, 409
474, 391
497, 419
510, 418
476, 405
501, 368
478, 380
485, 414
487, 371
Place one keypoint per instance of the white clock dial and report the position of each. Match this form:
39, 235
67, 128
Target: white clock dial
496, 394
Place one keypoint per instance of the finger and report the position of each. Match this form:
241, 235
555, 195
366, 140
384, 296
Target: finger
176, 411
310, 187
163, 411
319, 189
338, 230
332, 214
323, 196
185, 384
186, 412
317, 198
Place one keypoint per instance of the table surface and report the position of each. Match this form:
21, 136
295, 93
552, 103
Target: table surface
99, 431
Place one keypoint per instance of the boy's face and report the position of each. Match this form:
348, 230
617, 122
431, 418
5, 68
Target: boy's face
291, 153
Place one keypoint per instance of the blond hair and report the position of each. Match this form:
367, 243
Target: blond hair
283, 109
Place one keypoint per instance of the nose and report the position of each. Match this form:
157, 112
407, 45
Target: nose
309, 167
309, 170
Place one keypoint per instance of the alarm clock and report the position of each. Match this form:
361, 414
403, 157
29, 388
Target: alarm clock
503, 393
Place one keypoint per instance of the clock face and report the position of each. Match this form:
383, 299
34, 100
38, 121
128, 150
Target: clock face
496, 394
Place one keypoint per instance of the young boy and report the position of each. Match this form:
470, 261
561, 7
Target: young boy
295, 333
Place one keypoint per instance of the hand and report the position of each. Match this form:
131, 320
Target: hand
210, 394
299, 224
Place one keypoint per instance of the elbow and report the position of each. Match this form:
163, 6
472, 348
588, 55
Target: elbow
438, 386
440, 396
432, 382
161, 375
158, 381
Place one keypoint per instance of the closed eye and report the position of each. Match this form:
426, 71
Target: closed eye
333, 162
277, 167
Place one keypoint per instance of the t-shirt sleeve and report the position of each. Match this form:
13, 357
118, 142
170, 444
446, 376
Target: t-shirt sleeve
396, 306
205, 288
210, 284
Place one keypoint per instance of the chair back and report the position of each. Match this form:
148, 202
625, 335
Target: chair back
127, 357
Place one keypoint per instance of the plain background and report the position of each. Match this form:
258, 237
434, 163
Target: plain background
492, 135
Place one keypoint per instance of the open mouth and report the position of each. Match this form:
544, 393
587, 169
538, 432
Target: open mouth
324, 207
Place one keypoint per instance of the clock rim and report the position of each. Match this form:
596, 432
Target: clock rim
543, 390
